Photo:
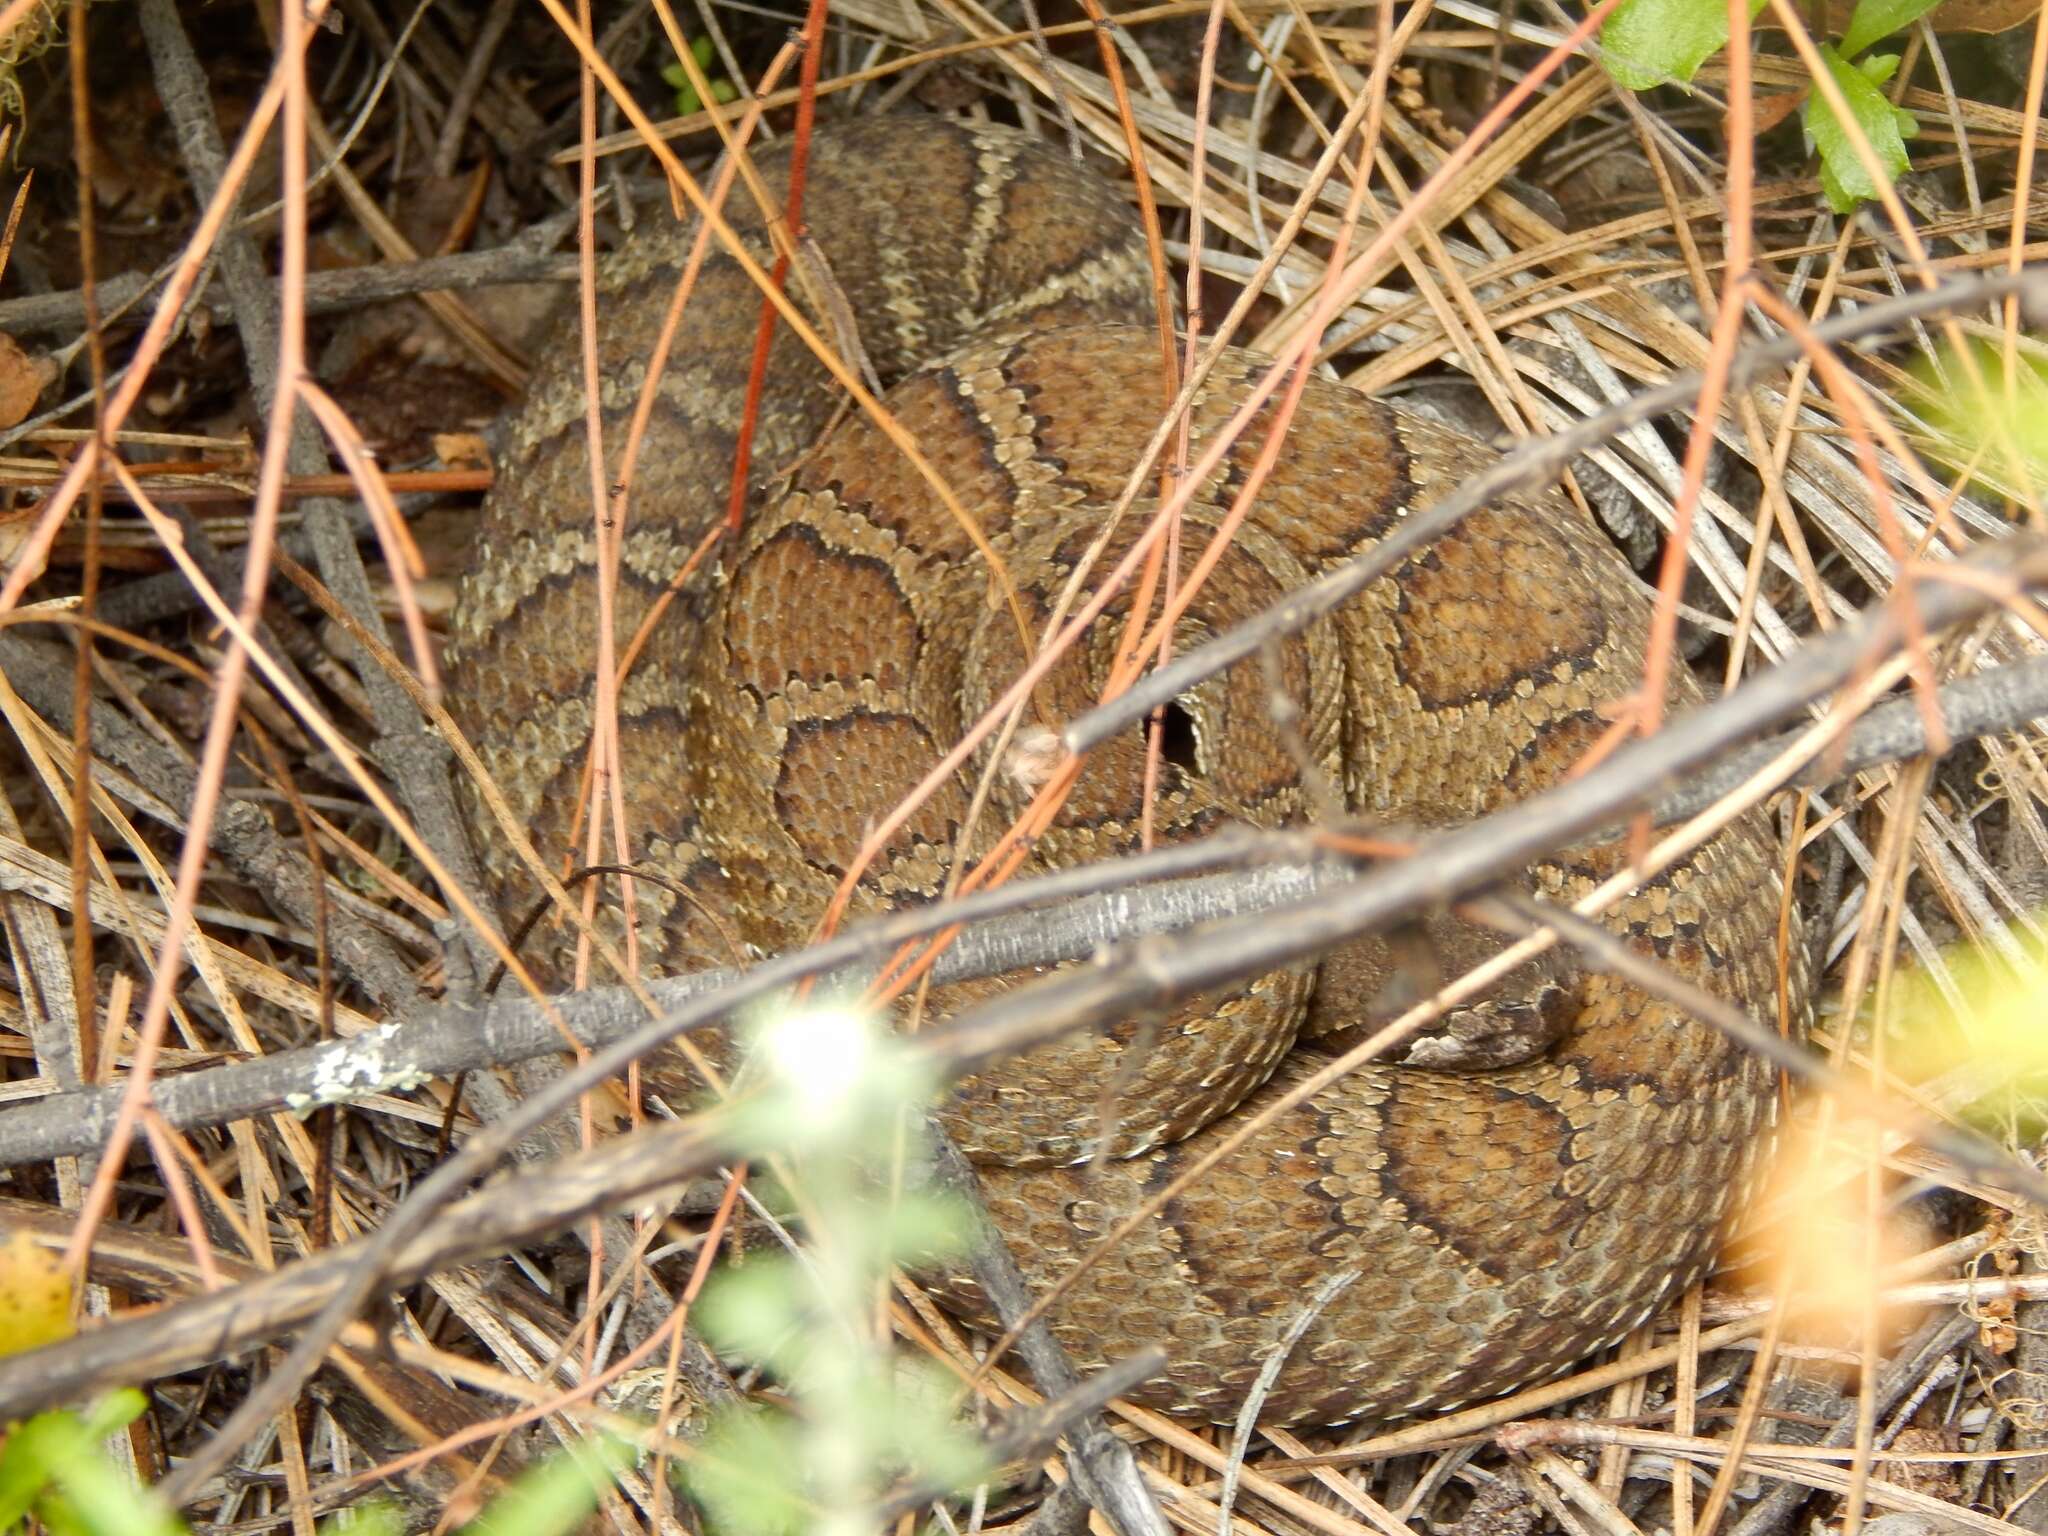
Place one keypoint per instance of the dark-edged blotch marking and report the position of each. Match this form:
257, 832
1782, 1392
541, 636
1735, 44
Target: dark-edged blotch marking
801, 609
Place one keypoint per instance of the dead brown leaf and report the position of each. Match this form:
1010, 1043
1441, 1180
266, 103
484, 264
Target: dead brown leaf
21, 380
1949, 16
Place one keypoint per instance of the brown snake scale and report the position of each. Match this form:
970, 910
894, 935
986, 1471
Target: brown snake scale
1578, 1147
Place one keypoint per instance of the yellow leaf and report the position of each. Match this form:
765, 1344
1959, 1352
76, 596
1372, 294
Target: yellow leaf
35, 1296
1999, 1033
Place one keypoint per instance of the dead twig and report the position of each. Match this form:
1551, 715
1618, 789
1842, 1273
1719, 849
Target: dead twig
1067, 916
1525, 467
1103, 1467
1445, 867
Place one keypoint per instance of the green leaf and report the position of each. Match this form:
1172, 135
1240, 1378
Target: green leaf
922, 1226
116, 1411
759, 1310
58, 1517
923, 1431
23, 1475
1994, 424
1646, 43
106, 1502
54, 1464
555, 1497
378, 1517
676, 76
748, 1475
687, 99
1842, 174
1881, 18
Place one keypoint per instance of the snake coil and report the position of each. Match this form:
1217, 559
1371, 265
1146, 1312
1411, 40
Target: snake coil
1558, 1160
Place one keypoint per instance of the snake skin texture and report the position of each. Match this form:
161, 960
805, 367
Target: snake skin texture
1533, 1182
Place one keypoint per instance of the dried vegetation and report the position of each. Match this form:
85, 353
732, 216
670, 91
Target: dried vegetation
416, 206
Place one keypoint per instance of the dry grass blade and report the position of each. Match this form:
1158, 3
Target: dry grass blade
224, 892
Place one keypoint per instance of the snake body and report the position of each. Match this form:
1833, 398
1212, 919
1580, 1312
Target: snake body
1559, 1159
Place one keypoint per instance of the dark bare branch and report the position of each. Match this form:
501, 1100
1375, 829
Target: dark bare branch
1064, 917
1535, 463
1445, 867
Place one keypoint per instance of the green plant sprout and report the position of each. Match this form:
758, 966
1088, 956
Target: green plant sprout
55, 1469
1987, 413
1647, 43
841, 1102
677, 78
838, 1102
1993, 1027
1987, 419
553, 1497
